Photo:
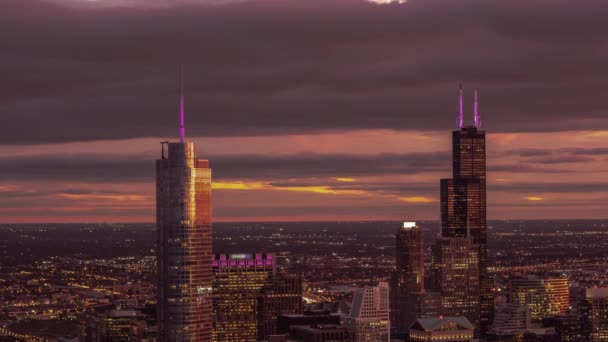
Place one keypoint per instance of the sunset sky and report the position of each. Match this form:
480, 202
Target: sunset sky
306, 109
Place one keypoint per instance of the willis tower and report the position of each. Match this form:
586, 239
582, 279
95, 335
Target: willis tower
466, 285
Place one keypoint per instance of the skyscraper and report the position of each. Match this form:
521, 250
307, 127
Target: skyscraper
407, 283
237, 282
463, 223
369, 316
183, 218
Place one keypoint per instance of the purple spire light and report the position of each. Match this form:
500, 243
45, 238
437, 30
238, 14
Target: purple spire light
460, 113
476, 112
182, 129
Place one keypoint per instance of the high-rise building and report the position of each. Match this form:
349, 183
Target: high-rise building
444, 329
369, 319
598, 313
281, 295
464, 227
237, 282
407, 283
183, 218
545, 297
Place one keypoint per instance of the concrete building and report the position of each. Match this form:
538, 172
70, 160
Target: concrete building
369, 316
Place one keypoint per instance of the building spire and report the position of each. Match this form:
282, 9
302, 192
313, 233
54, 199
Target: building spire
476, 112
182, 130
460, 114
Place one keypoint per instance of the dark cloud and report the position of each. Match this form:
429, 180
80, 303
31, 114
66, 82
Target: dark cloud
102, 169
277, 67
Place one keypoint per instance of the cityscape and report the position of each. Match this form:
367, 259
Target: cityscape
375, 218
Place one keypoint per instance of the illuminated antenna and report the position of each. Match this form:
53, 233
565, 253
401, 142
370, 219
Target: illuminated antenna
182, 130
476, 112
460, 115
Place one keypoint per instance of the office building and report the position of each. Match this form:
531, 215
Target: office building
546, 297
598, 314
407, 282
237, 282
281, 295
444, 329
369, 319
183, 218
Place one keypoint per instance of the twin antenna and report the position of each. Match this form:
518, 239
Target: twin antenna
476, 118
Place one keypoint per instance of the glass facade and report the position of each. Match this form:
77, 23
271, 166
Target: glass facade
183, 216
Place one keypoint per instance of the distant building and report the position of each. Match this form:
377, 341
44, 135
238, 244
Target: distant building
237, 282
319, 333
444, 329
369, 319
546, 297
568, 327
115, 325
281, 295
313, 317
598, 314
407, 283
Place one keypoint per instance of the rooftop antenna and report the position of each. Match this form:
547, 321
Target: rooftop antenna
476, 112
182, 130
460, 115
162, 148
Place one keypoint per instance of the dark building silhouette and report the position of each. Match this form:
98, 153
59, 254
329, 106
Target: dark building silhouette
407, 283
281, 295
319, 333
313, 317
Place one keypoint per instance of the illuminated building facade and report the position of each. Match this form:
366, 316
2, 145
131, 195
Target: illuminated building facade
237, 282
281, 295
444, 329
598, 313
546, 297
369, 319
183, 218
407, 283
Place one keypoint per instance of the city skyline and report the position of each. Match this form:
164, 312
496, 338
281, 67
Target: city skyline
295, 136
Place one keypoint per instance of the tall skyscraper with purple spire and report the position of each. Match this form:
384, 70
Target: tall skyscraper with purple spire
183, 218
466, 291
